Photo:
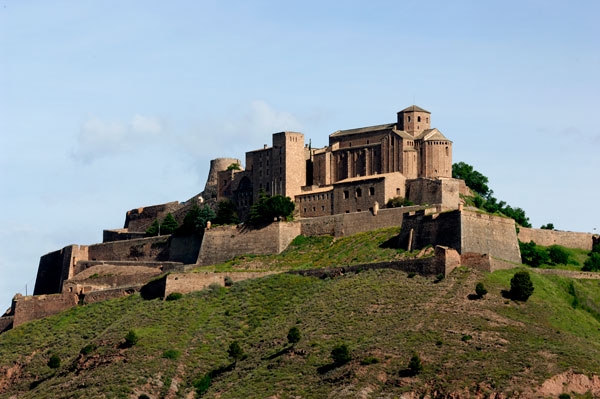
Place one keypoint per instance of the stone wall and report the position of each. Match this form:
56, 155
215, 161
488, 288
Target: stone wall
141, 218
99, 296
185, 283
488, 234
56, 267
441, 191
351, 223
39, 306
546, 238
226, 242
143, 249
465, 231
6, 323
120, 235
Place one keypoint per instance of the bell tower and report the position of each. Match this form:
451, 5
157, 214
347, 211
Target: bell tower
414, 120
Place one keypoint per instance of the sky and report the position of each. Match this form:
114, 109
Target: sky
107, 106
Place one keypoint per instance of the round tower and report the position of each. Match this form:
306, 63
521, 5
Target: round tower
217, 165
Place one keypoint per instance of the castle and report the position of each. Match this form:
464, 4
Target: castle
359, 167
338, 190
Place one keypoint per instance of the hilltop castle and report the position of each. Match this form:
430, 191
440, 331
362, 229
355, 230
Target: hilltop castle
358, 168
339, 190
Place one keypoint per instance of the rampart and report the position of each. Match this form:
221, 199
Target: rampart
120, 235
39, 306
185, 283
442, 191
56, 267
141, 218
346, 224
226, 242
567, 239
465, 231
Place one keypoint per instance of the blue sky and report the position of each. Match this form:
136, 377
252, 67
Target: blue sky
106, 106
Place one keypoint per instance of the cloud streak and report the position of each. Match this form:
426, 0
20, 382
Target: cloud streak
99, 138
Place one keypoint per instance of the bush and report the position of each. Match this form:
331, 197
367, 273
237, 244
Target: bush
466, 338
131, 339
202, 384
369, 360
195, 221
397, 202
267, 209
173, 296
558, 255
414, 365
533, 255
480, 290
54, 362
293, 336
341, 354
592, 264
564, 396
548, 226
171, 354
521, 286
228, 281
235, 351
143, 396
86, 350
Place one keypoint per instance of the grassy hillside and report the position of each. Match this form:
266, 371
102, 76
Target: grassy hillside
491, 345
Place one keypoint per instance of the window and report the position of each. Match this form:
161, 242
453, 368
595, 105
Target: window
397, 191
418, 119
371, 190
358, 192
346, 194
409, 118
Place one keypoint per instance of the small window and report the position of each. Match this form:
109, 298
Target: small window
371, 190
346, 194
397, 191
418, 119
409, 118
322, 207
358, 192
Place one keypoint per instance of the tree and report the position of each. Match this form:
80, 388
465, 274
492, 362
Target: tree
592, 264
267, 209
533, 255
341, 354
548, 226
131, 339
195, 220
414, 365
153, 229
235, 351
169, 224
234, 166
558, 255
293, 336
397, 202
54, 362
480, 290
226, 213
473, 179
521, 286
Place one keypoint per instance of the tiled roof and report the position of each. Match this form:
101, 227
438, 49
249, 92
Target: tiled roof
431, 134
414, 108
359, 130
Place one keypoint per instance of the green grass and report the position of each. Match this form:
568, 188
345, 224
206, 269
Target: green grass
379, 314
319, 252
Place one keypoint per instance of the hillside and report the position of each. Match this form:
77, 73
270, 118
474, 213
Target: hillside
469, 348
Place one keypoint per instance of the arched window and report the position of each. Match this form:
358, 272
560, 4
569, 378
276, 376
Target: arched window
418, 119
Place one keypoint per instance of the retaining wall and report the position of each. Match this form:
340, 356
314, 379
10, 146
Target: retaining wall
185, 283
39, 306
223, 243
567, 239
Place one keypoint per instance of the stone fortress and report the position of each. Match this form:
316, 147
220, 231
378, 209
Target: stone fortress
339, 190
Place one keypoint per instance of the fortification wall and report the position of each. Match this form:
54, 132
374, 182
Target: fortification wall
141, 218
352, 223
36, 307
99, 296
189, 282
6, 323
226, 242
444, 192
143, 249
546, 238
420, 230
56, 267
120, 235
488, 234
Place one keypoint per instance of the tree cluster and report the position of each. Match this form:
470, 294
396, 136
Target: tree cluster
167, 226
535, 255
484, 196
270, 208
592, 264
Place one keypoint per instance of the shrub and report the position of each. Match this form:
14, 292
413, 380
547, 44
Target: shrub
592, 264
411, 274
480, 290
235, 351
202, 384
131, 339
143, 396
564, 396
86, 350
169, 224
439, 277
228, 281
466, 338
153, 229
173, 296
558, 255
54, 362
414, 364
397, 202
171, 354
533, 255
369, 360
521, 286
293, 336
341, 354
548, 226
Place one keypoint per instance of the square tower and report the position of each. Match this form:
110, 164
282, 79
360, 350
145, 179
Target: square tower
414, 120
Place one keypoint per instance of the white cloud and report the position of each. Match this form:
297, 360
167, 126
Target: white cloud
98, 138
